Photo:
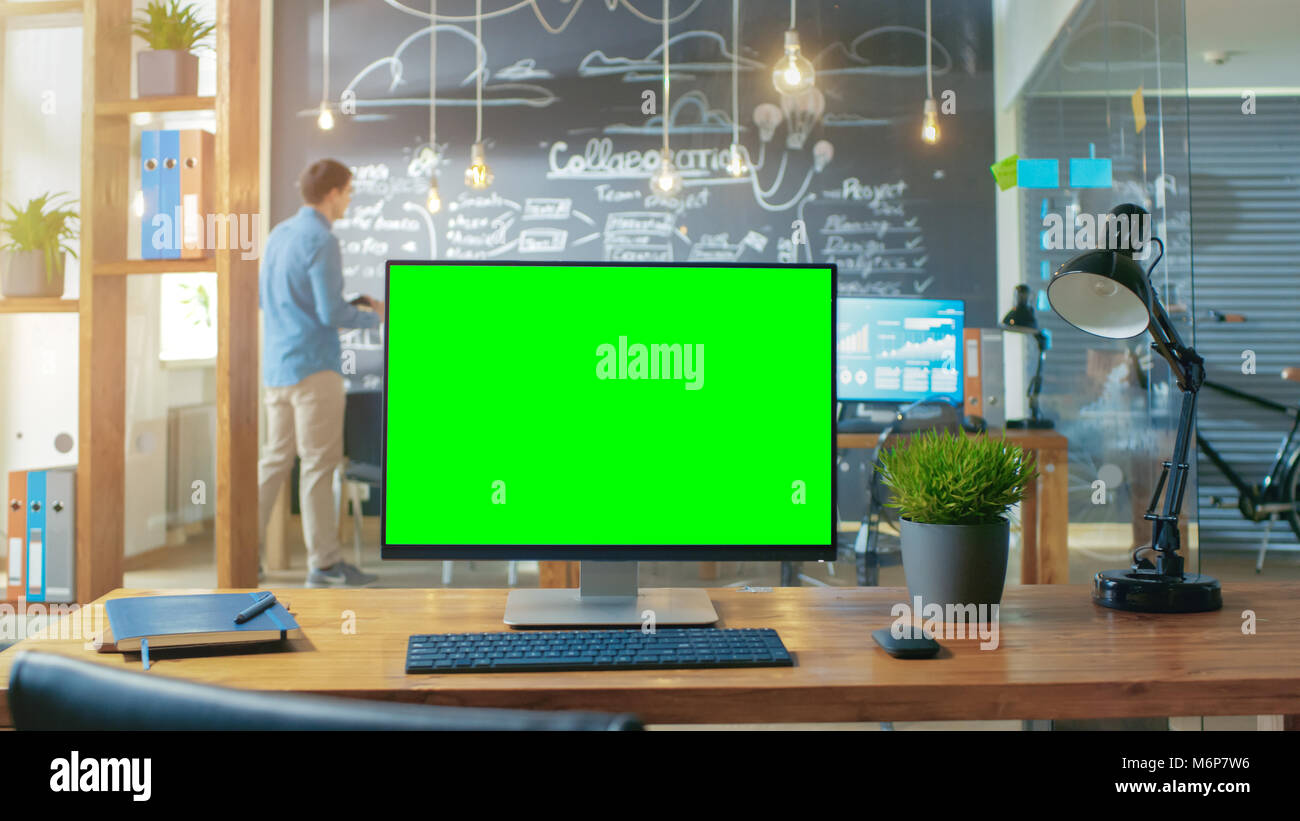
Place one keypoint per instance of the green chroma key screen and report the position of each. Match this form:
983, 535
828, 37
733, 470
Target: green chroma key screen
610, 405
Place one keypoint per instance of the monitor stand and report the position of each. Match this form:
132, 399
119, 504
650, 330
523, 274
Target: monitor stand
608, 595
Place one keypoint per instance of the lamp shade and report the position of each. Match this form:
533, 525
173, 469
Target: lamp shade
1103, 293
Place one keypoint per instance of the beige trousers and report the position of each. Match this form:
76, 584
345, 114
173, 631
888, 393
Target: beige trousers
305, 419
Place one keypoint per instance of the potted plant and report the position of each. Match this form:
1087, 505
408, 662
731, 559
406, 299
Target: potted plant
31, 259
953, 493
168, 66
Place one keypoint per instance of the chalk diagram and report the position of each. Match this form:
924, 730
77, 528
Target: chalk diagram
876, 244
387, 75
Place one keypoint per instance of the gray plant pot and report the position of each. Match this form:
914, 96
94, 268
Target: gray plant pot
166, 73
22, 273
956, 564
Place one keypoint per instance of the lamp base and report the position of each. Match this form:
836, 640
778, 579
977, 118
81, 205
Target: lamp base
1148, 591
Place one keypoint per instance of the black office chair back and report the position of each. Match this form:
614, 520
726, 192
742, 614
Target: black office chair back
54, 692
362, 427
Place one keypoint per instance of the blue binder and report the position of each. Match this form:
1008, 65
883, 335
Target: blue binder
169, 191
35, 535
150, 164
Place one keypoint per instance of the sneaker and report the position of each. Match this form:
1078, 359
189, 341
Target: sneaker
341, 574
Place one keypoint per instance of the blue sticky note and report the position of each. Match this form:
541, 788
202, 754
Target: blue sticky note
1038, 174
1089, 172
1045, 272
1042, 301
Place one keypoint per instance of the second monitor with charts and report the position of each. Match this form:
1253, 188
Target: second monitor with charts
894, 350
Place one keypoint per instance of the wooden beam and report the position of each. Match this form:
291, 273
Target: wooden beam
37, 305
238, 110
106, 148
130, 267
40, 9
118, 108
557, 574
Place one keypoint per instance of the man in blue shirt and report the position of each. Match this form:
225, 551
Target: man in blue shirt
300, 290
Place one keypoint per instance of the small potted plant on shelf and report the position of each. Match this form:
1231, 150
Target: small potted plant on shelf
169, 67
32, 256
953, 493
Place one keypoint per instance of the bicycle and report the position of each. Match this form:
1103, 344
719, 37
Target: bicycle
1276, 494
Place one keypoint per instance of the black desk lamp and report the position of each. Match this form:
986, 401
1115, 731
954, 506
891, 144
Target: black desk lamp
1106, 293
1021, 320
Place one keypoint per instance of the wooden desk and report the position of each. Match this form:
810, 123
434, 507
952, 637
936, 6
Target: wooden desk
1044, 513
1059, 656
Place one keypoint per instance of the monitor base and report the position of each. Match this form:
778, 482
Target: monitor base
567, 607
608, 595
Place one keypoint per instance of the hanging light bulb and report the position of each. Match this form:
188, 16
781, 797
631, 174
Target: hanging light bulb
930, 123
667, 181
794, 72
478, 175
930, 128
326, 119
434, 201
736, 165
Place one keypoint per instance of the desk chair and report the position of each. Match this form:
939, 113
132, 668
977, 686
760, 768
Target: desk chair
362, 446
922, 415
54, 692
362, 418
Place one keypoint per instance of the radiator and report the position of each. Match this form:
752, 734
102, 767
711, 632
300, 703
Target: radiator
191, 457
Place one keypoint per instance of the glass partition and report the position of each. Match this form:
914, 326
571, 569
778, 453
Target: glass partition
1104, 121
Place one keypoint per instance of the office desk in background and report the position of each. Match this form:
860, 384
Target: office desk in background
1059, 656
1045, 555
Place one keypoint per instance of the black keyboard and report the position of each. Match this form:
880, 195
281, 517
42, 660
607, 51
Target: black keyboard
552, 650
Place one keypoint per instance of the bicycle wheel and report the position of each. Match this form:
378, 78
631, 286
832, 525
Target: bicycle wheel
1290, 484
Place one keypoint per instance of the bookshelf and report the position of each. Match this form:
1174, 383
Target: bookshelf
106, 187
37, 305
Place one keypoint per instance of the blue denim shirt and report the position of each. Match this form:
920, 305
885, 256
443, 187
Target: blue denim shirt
300, 291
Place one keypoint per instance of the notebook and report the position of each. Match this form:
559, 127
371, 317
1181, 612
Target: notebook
190, 621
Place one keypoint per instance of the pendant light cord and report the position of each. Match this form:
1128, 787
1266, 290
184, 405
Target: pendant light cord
325, 54
478, 94
433, 79
792, 2
735, 59
664, 113
929, 50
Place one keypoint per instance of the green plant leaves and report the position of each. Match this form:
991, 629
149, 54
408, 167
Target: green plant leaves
945, 478
45, 225
167, 25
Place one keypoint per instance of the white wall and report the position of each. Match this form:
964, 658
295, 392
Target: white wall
1023, 30
40, 145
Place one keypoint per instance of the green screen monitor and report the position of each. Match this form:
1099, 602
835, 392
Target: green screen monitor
609, 412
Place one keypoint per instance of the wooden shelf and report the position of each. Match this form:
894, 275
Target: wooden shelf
154, 105
27, 9
126, 267
37, 305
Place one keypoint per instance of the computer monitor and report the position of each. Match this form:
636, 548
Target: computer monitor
609, 413
897, 350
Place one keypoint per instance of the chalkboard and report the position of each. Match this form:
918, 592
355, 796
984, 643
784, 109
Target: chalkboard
571, 144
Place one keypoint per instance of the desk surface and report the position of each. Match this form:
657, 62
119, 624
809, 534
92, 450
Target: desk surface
1059, 656
1033, 438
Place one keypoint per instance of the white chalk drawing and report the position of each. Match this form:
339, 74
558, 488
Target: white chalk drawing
839, 59
509, 93
650, 67
693, 103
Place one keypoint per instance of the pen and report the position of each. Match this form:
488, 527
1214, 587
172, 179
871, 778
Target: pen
255, 608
